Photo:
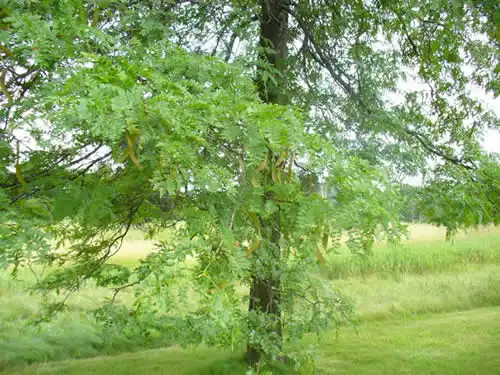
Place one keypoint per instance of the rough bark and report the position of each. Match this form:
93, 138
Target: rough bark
265, 289
273, 49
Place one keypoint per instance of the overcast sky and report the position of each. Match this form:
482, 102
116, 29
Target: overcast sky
491, 141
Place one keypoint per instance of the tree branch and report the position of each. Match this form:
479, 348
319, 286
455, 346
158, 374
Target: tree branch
426, 144
120, 288
319, 56
116, 241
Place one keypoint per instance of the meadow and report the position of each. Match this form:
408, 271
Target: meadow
425, 306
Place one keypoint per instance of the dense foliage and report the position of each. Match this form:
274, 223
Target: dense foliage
115, 114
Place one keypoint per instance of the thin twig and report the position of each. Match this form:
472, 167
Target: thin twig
103, 259
120, 288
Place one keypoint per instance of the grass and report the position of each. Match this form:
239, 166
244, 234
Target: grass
408, 299
412, 257
454, 343
408, 296
73, 334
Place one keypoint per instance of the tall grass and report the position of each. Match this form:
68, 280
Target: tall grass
409, 296
416, 258
74, 333
395, 282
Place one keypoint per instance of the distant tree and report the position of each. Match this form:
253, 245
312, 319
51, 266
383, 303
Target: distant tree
411, 210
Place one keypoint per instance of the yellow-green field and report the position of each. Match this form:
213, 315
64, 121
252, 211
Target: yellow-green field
425, 307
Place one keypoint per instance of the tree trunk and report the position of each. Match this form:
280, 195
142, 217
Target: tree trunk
265, 289
265, 298
273, 49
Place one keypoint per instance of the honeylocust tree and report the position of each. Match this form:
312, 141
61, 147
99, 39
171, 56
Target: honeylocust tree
216, 117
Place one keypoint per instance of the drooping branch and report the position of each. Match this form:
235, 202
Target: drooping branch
122, 287
318, 54
112, 248
427, 145
329, 63
57, 164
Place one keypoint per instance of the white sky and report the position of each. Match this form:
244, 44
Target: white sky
491, 142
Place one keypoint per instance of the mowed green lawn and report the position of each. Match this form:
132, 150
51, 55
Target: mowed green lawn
425, 307
452, 343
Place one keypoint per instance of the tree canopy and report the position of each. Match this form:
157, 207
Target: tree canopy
215, 117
